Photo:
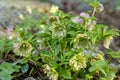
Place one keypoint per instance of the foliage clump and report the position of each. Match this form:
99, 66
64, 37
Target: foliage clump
63, 47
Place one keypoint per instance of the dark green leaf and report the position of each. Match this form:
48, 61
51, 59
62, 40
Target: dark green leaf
24, 68
52, 63
66, 74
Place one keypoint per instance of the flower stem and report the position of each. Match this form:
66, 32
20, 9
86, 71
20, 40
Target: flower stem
50, 47
93, 12
109, 59
93, 50
75, 75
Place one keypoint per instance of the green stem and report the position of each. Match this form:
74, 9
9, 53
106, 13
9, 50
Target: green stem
92, 51
75, 75
109, 59
93, 12
50, 47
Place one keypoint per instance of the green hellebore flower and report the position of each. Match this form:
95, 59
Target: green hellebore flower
58, 30
53, 19
80, 41
22, 48
108, 41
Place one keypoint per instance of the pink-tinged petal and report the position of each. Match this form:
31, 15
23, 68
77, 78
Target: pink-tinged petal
9, 30
77, 20
10, 33
85, 15
100, 7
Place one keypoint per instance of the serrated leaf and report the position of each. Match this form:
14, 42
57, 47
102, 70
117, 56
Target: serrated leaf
66, 74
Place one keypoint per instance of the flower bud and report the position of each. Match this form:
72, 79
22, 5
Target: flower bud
100, 7
107, 41
29, 10
21, 16
10, 33
77, 20
91, 25
54, 9
85, 15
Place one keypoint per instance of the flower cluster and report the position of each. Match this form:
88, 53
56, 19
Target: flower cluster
85, 19
100, 8
77, 62
54, 9
81, 18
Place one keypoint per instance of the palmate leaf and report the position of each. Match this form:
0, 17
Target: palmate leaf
7, 69
5, 76
66, 74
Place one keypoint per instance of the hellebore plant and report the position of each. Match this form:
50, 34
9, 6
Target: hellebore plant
64, 47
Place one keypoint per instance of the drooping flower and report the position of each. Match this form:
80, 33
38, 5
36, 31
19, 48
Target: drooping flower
54, 9
77, 20
51, 72
58, 30
77, 62
80, 19
80, 41
85, 15
22, 48
10, 33
29, 10
99, 56
43, 29
52, 19
91, 25
107, 41
21, 16
100, 8
42, 45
